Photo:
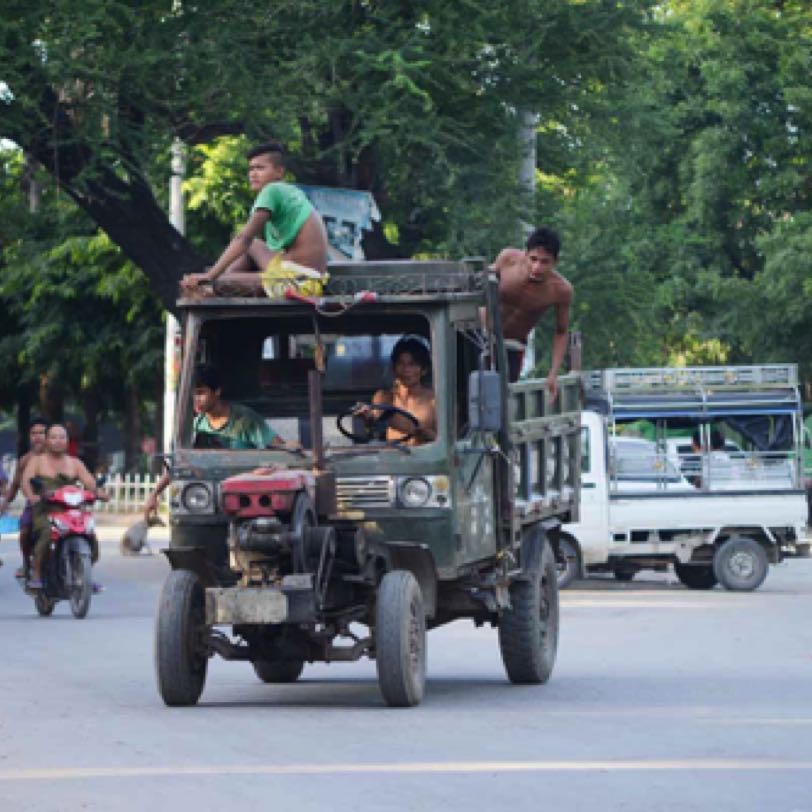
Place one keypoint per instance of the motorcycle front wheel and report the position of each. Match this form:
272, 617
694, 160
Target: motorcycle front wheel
81, 585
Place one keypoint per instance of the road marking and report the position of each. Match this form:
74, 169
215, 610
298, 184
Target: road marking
394, 768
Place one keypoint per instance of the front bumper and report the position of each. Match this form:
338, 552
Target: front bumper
292, 602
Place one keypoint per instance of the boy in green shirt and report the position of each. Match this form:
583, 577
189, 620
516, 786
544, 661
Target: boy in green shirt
284, 218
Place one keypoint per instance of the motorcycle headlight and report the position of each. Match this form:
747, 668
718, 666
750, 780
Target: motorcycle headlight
196, 498
415, 492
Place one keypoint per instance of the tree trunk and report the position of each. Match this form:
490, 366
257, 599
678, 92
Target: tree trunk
132, 430
124, 207
24, 401
51, 400
90, 435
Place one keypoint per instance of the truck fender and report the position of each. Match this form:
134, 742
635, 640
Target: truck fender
532, 545
193, 559
418, 559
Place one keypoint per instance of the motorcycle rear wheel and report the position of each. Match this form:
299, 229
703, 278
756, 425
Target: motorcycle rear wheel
81, 587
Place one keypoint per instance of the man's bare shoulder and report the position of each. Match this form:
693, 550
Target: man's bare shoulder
562, 288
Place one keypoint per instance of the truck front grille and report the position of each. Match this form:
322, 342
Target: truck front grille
359, 493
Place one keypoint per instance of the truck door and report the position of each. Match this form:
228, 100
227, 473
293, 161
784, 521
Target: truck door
592, 531
473, 484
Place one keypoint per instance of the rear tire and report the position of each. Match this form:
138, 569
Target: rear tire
568, 562
279, 671
400, 639
81, 586
696, 577
180, 660
44, 604
528, 631
740, 564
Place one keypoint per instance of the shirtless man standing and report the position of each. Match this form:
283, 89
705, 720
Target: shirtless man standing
410, 363
528, 286
36, 445
55, 467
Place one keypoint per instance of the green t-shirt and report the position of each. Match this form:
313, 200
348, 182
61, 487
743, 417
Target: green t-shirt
289, 208
243, 429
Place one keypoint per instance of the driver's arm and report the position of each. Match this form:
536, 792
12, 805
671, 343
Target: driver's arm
31, 470
86, 478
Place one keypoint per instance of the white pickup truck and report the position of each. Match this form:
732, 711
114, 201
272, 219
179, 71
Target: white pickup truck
696, 467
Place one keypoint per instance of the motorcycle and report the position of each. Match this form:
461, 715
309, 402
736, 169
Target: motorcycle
66, 573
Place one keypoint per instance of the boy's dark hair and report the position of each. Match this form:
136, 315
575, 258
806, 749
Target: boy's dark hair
717, 440
273, 148
38, 421
206, 375
415, 347
545, 238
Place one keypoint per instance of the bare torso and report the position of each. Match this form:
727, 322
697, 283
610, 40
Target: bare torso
418, 401
523, 301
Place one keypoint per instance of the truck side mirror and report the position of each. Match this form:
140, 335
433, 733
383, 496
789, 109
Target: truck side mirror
484, 401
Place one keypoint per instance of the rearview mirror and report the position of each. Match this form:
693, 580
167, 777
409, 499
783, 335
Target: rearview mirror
484, 401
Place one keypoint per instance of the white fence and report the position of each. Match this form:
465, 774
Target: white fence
128, 493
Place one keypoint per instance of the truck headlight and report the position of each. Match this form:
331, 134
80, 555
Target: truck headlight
196, 498
415, 492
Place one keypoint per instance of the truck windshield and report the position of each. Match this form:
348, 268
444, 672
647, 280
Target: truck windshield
263, 365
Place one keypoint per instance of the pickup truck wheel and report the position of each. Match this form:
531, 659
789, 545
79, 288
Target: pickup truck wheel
400, 639
278, 671
696, 577
180, 659
740, 564
528, 631
567, 562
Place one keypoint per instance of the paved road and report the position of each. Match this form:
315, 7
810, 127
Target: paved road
661, 699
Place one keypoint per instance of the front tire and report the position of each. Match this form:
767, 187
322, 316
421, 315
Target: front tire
44, 604
696, 577
528, 631
400, 639
740, 564
278, 671
180, 660
81, 585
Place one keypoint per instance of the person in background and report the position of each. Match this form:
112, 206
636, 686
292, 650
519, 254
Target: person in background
36, 445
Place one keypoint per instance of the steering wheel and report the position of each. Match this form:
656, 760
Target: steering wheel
387, 410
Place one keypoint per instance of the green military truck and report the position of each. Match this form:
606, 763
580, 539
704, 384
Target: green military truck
354, 544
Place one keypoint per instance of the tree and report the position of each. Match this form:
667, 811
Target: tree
416, 102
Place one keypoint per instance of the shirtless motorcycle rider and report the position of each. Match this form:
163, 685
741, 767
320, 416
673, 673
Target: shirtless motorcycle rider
36, 445
55, 467
411, 362
529, 285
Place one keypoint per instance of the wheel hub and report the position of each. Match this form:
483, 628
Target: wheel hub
742, 565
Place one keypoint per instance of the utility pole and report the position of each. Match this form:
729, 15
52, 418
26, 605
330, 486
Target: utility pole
527, 183
172, 339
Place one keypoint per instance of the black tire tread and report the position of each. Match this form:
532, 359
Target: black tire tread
526, 661
180, 678
278, 671
399, 686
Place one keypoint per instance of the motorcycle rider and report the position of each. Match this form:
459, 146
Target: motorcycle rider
36, 445
55, 468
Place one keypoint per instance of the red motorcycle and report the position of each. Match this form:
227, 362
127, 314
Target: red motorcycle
66, 574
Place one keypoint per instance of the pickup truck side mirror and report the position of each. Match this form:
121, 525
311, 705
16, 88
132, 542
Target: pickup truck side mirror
484, 401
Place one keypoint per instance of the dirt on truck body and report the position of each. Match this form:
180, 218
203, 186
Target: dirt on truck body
354, 545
